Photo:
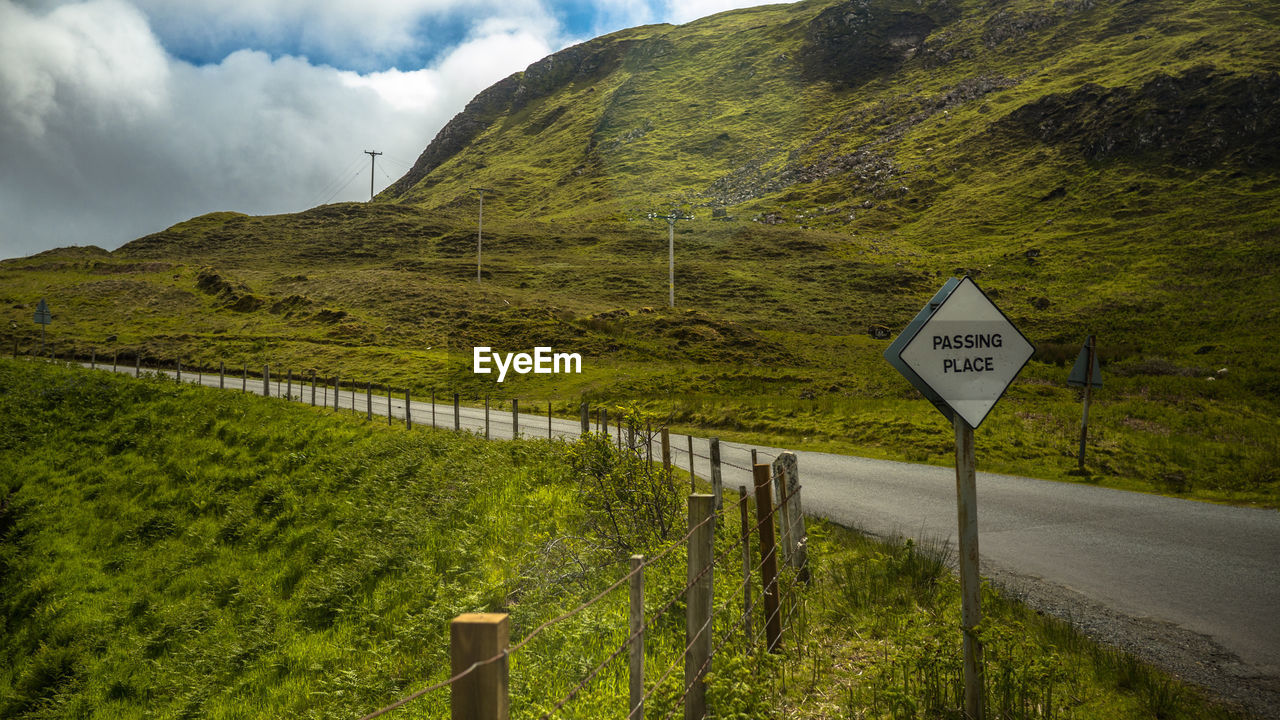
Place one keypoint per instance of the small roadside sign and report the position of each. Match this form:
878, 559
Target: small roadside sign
43, 316
1080, 371
961, 352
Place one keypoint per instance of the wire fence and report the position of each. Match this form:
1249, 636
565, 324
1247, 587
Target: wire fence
731, 554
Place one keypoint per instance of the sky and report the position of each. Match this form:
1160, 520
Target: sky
120, 118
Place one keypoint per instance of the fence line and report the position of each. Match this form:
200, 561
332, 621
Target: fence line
639, 442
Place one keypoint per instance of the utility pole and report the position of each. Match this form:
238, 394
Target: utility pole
671, 219
373, 158
480, 229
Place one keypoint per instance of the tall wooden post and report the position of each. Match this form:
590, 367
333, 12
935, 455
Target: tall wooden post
585, 411
266, 380
693, 481
970, 583
115, 355
408, 411
222, 375
313, 388
515, 418
137, 364
698, 627
93, 359
482, 694
336, 385
636, 649
744, 513
288, 393
368, 401
486, 417
604, 422
433, 408
666, 451
389, 420
1088, 395
548, 419
457, 413
768, 557
787, 472
179, 368
244, 378
716, 482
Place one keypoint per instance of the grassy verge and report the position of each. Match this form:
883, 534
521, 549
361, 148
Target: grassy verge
179, 551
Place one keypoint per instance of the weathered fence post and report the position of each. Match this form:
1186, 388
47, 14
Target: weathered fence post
482, 694
408, 411
368, 401
604, 422
244, 378
336, 384
586, 418
222, 375
115, 355
486, 417
389, 420
768, 556
716, 482
313, 388
266, 380
698, 632
179, 366
288, 393
666, 451
457, 413
780, 511
744, 511
636, 649
515, 418
137, 364
693, 481
200, 375
548, 419
787, 467
433, 407
93, 359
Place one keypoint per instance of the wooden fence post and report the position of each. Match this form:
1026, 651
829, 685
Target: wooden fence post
636, 649
222, 375
768, 556
199, 375
716, 482
586, 418
336, 384
666, 451
693, 481
408, 411
548, 419
698, 628
604, 422
648, 443
389, 421
93, 359
244, 378
137, 364
515, 418
115, 355
266, 380
486, 417
482, 694
433, 408
788, 467
744, 511
179, 366
288, 393
457, 413
780, 511
313, 388
368, 401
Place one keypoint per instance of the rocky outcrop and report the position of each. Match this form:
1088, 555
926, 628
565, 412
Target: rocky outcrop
856, 41
1193, 120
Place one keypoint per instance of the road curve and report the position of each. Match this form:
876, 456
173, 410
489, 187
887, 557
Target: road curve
1179, 567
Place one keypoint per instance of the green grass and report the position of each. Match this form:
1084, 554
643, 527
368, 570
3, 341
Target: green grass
178, 551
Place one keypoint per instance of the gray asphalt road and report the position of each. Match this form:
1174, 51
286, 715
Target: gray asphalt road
1179, 569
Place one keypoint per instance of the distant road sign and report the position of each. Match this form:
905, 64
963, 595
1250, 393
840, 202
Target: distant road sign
1080, 371
961, 352
43, 316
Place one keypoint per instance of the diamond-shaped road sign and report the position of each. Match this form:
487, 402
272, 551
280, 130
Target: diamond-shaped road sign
42, 314
961, 352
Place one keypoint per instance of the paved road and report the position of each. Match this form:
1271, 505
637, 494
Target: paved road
1174, 566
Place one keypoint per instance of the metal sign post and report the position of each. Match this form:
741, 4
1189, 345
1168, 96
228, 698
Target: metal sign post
962, 353
43, 317
1085, 373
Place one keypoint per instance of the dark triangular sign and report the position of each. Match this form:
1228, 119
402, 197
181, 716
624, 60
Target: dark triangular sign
1077, 378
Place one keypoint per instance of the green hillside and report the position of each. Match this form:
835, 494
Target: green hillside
1098, 167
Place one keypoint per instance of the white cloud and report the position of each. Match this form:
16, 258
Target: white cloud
683, 11
107, 138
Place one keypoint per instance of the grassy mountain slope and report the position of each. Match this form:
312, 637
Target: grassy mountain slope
1098, 167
